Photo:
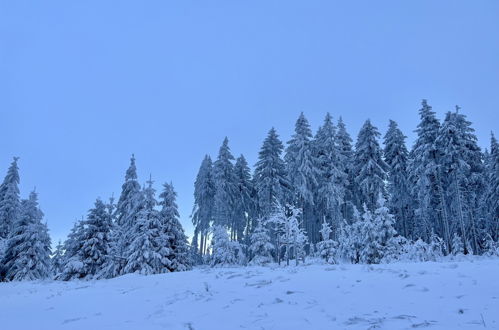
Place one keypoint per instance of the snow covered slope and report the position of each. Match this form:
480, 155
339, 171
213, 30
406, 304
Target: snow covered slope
449, 295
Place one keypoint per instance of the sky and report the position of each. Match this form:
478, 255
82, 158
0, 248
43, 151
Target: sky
84, 84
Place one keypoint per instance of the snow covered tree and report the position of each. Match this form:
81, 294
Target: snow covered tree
292, 235
244, 204
345, 164
27, 256
302, 174
270, 177
431, 211
72, 266
9, 201
148, 251
126, 214
327, 247
370, 168
331, 179
457, 245
176, 239
58, 258
204, 194
400, 200
224, 251
96, 245
261, 248
490, 202
384, 231
194, 253
225, 186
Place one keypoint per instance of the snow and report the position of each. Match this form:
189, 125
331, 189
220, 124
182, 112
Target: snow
438, 295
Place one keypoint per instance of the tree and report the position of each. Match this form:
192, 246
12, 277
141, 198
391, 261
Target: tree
270, 177
58, 258
225, 186
384, 231
331, 179
204, 194
345, 164
400, 200
179, 259
96, 245
327, 247
370, 168
292, 235
490, 201
224, 251
148, 251
72, 266
27, 256
9, 200
126, 214
302, 174
261, 248
425, 178
244, 204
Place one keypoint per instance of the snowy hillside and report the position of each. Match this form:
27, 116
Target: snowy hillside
447, 295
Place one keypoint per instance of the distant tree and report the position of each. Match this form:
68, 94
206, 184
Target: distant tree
370, 168
27, 256
270, 177
9, 200
58, 258
176, 239
400, 200
204, 194
302, 174
345, 164
225, 186
244, 203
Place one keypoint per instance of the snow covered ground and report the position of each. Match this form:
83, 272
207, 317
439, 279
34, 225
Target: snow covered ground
447, 295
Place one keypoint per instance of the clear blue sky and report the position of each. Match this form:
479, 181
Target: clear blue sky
84, 84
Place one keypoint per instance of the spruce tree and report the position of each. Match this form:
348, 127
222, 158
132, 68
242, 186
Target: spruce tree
400, 199
176, 239
425, 179
244, 203
204, 194
490, 199
345, 164
126, 214
27, 256
225, 186
270, 177
58, 258
9, 200
302, 174
331, 179
149, 250
370, 168
96, 247
261, 248
73, 267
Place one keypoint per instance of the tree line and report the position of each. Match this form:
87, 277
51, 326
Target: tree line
441, 195
137, 234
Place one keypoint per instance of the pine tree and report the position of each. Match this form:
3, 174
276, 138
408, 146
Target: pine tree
176, 239
9, 200
331, 179
204, 194
225, 186
270, 177
261, 248
327, 247
302, 174
292, 235
126, 215
148, 251
425, 178
27, 256
224, 251
244, 204
72, 266
385, 232
96, 247
400, 200
370, 168
345, 164
490, 199
457, 245
58, 258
